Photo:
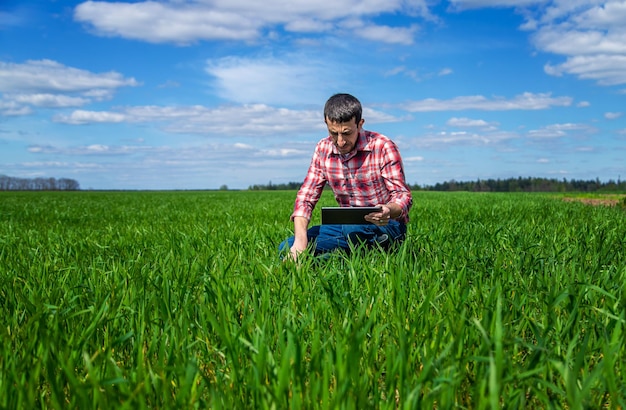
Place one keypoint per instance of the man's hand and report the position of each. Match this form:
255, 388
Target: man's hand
301, 240
382, 218
297, 248
379, 218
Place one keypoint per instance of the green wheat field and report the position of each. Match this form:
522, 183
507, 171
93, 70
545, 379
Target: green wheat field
144, 300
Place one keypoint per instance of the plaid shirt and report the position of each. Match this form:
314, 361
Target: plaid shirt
372, 174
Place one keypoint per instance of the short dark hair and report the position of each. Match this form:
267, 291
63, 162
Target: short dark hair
342, 108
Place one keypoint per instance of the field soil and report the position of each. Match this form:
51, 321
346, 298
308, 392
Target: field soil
611, 200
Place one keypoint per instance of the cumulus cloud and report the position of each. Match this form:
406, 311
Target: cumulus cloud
415, 74
86, 117
560, 130
417, 158
50, 100
155, 22
13, 109
459, 5
250, 120
271, 80
90, 150
525, 101
387, 34
51, 76
606, 70
47, 83
247, 120
590, 35
470, 123
188, 21
463, 138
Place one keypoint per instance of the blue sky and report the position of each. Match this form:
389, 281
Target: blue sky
199, 94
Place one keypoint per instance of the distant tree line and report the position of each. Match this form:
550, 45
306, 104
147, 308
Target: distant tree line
37, 184
289, 186
528, 184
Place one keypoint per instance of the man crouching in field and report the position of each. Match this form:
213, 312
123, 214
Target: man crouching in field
363, 168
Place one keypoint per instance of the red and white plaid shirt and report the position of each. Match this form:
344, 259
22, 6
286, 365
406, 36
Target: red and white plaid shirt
372, 174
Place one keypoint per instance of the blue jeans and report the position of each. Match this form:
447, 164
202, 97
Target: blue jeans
327, 238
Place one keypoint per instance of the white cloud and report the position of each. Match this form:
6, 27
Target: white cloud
613, 115
470, 123
560, 10
177, 22
306, 25
13, 109
606, 69
606, 14
590, 34
415, 74
185, 21
49, 100
243, 146
560, 130
378, 117
525, 101
250, 120
445, 139
47, 83
278, 152
413, 159
459, 5
51, 76
97, 150
87, 117
247, 120
272, 80
385, 34
572, 42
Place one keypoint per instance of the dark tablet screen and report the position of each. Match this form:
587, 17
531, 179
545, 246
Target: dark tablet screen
347, 215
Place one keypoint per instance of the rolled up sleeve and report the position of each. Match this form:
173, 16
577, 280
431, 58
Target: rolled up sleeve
395, 180
311, 189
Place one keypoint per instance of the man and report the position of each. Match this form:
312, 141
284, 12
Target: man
363, 168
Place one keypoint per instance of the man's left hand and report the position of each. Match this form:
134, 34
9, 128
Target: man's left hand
379, 218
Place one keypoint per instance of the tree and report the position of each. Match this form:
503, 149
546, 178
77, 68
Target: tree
8, 183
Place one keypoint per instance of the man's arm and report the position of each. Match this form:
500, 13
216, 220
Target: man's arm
393, 173
300, 225
306, 199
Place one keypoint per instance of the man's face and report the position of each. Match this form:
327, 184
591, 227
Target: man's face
344, 134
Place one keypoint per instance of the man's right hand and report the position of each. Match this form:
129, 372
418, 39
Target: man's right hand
301, 240
296, 250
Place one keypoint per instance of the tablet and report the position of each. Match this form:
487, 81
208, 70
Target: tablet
347, 215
